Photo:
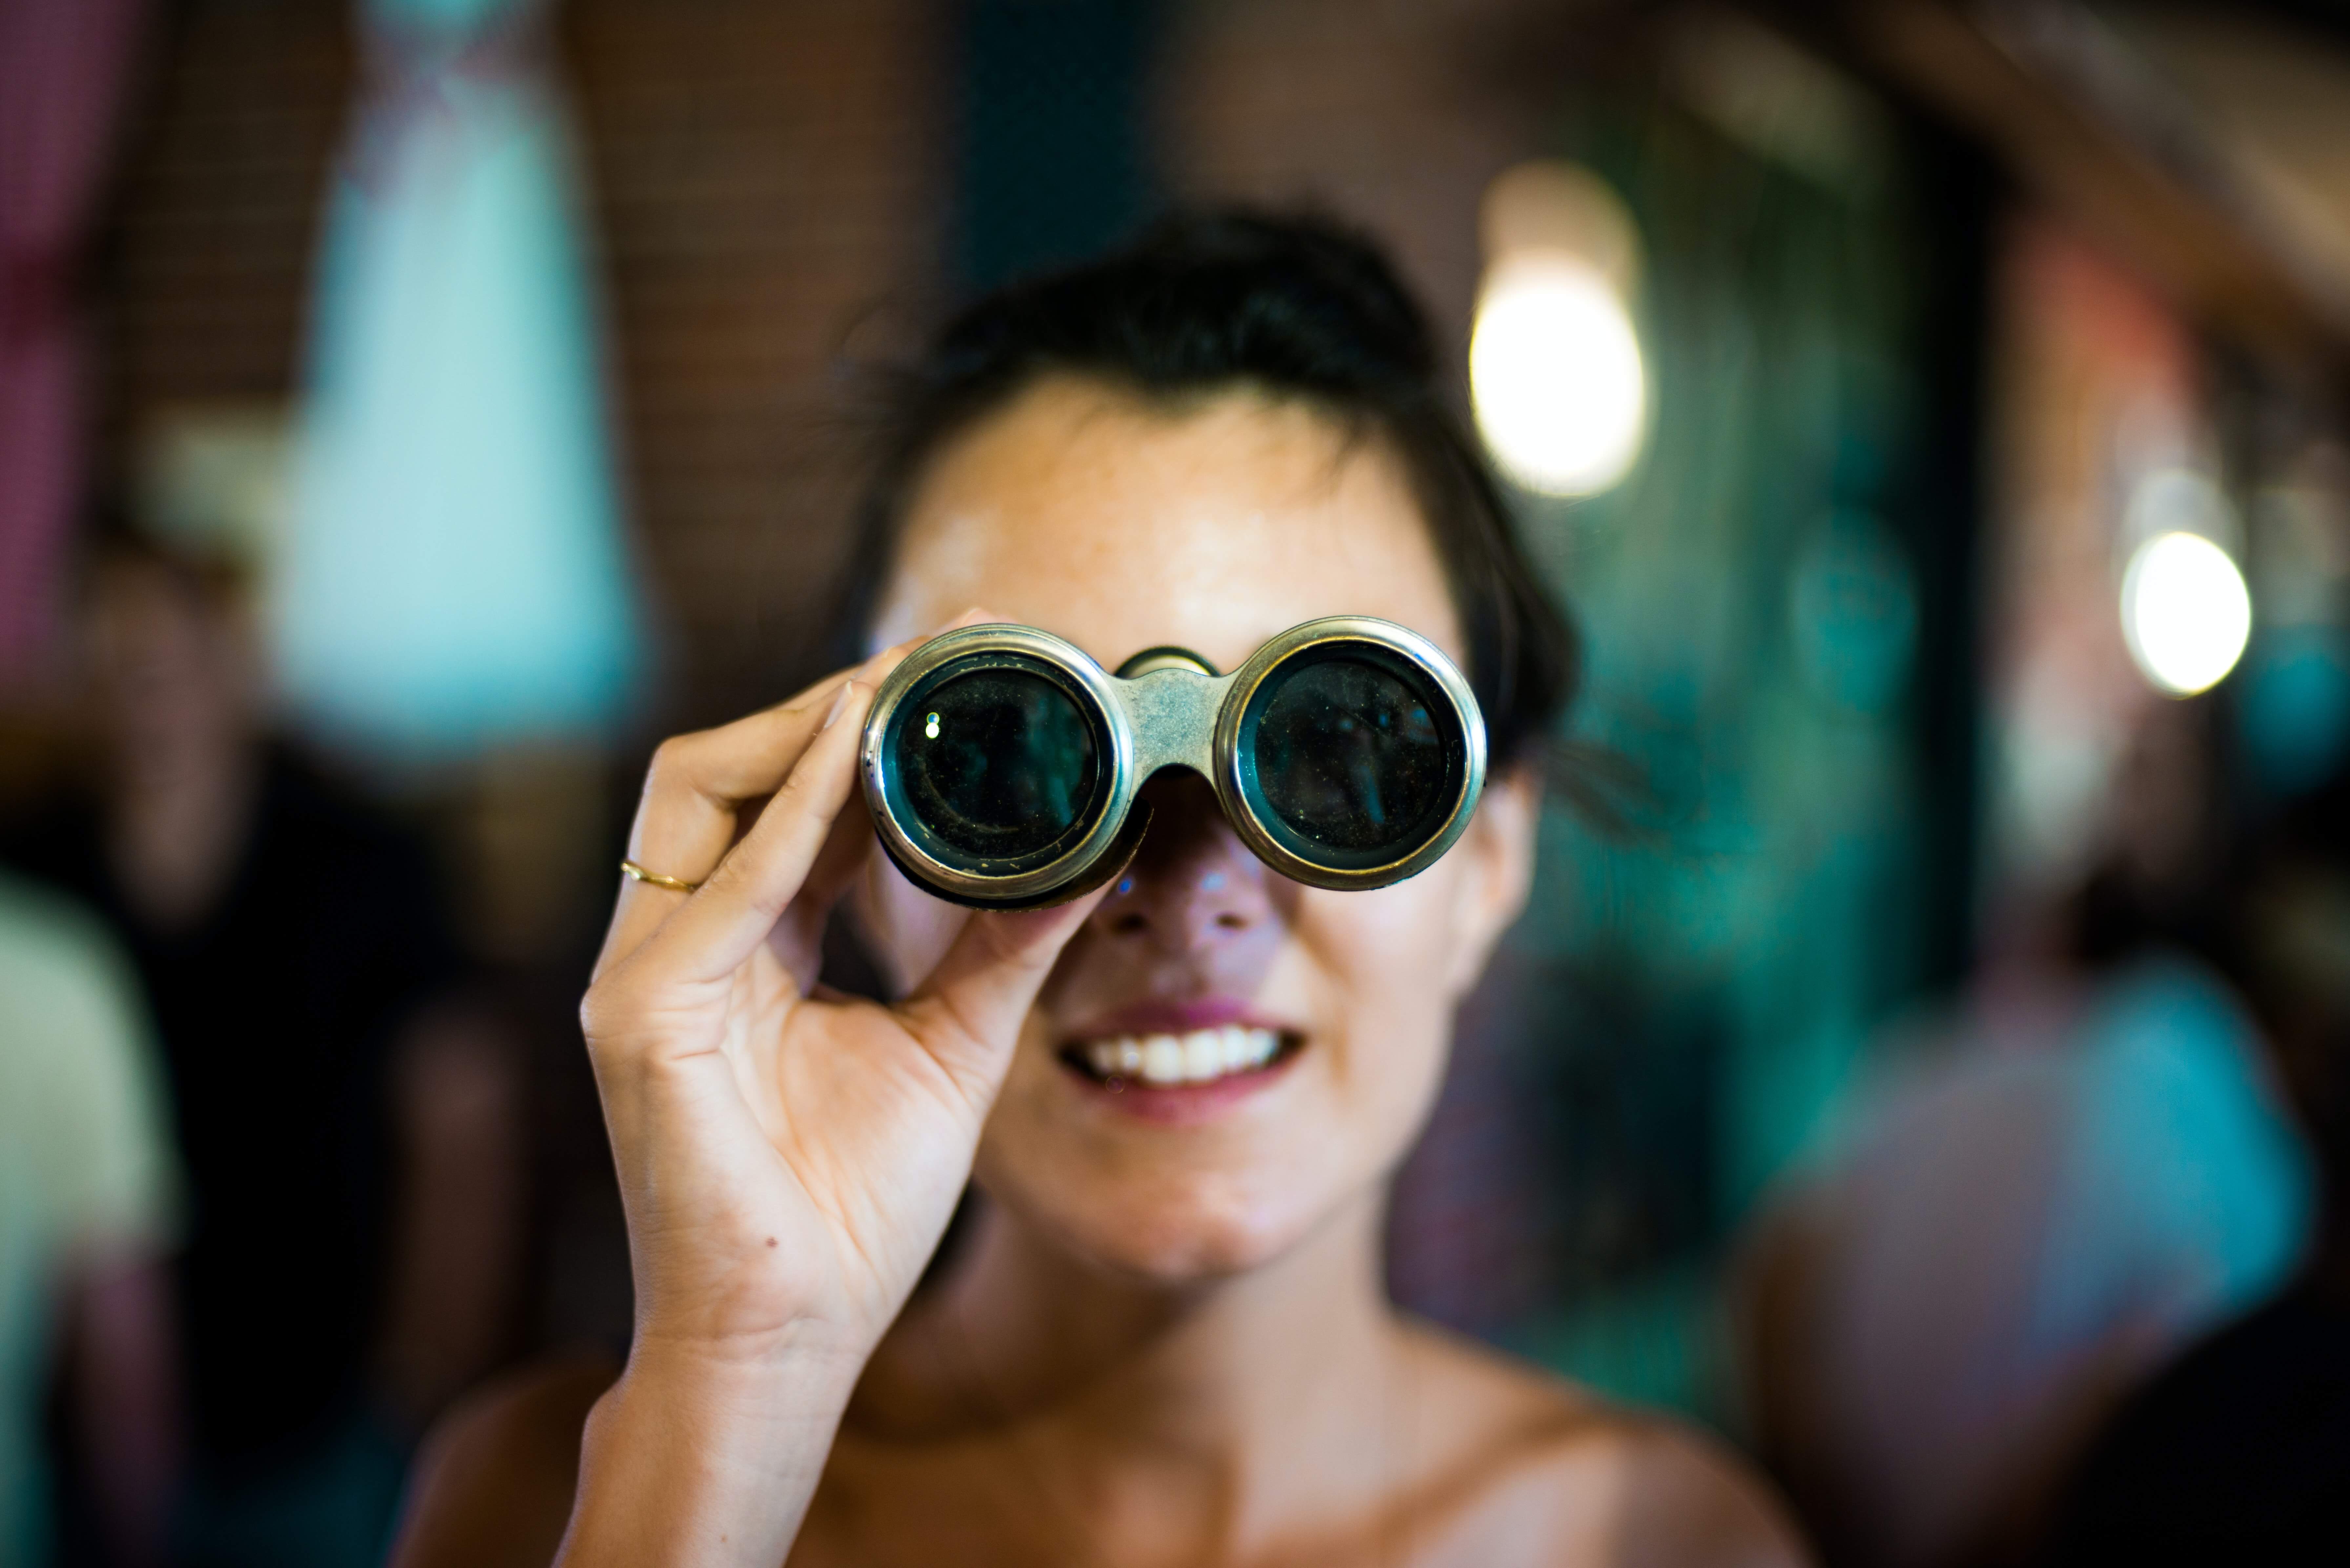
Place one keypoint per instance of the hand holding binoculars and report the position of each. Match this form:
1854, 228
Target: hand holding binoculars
1002, 765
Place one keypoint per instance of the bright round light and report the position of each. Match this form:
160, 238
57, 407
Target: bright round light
2184, 612
1555, 370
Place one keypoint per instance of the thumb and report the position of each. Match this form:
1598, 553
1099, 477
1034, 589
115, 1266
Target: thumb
968, 1013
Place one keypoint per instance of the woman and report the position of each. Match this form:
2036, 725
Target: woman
1161, 1336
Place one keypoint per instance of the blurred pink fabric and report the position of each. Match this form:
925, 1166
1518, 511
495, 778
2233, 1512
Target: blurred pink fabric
62, 65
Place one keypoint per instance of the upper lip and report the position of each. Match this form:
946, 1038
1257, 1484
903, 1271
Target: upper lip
1167, 1017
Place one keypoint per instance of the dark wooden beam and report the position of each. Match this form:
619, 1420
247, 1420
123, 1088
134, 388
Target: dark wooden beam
2187, 241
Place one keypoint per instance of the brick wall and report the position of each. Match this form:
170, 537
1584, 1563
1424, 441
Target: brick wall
762, 179
1395, 115
201, 270
769, 195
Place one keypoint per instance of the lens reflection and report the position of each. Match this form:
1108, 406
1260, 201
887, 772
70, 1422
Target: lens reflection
1347, 755
996, 764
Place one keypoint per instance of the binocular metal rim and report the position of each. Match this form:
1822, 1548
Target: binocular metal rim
1417, 651
1021, 890
1211, 751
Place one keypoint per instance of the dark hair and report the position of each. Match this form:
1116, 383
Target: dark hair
1293, 306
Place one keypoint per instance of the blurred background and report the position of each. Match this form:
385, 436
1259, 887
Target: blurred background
1927, 1035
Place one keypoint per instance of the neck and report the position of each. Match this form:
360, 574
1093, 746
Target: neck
1225, 1382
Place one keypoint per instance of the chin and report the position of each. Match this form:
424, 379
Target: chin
1169, 1228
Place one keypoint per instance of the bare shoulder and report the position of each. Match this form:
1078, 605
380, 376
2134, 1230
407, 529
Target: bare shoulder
1528, 1467
494, 1481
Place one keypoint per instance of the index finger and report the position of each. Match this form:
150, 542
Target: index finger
696, 787
698, 783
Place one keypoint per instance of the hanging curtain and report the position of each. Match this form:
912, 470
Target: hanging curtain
61, 68
454, 575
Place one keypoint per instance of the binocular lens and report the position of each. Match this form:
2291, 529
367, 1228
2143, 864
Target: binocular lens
995, 764
1356, 758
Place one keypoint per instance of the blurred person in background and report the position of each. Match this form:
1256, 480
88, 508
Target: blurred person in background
2044, 1198
88, 1204
2240, 1451
347, 1125
1160, 1337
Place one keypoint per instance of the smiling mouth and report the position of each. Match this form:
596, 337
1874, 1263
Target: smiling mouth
1179, 1061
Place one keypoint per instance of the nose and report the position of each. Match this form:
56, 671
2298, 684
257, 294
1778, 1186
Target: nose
1193, 887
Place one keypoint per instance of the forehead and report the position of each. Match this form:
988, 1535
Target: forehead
1122, 524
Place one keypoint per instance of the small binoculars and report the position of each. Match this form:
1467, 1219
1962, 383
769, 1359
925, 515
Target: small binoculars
1002, 765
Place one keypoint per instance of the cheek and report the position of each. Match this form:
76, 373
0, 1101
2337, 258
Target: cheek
1395, 947
1385, 960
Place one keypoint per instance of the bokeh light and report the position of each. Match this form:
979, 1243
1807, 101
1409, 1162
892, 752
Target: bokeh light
1554, 365
2186, 612
1555, 369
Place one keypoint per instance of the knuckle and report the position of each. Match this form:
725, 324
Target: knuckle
798, 792
606, 1013
727, 874
815, 788
594, 1013
734, 880
670, 760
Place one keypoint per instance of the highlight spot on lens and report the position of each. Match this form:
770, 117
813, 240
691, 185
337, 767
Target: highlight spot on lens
1010, 768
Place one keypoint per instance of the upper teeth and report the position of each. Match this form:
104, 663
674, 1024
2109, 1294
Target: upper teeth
1193, 1058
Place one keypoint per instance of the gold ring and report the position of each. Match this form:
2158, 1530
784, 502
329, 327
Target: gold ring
638, 874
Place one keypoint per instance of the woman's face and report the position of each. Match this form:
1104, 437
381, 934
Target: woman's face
1121, 525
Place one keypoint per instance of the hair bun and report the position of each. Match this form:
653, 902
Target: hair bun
1331, 278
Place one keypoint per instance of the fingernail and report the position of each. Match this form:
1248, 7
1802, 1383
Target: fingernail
839, 702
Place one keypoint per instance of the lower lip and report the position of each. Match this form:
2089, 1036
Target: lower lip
1181, 1104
